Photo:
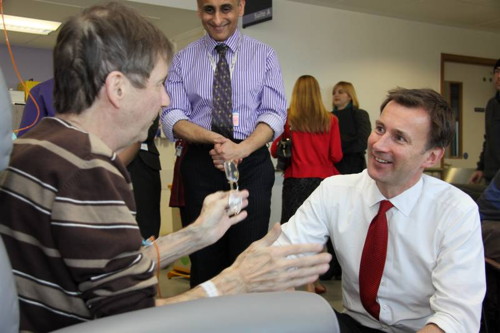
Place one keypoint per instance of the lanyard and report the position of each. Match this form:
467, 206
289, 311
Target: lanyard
213, 63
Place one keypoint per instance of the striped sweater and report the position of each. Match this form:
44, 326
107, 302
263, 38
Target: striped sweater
67, 220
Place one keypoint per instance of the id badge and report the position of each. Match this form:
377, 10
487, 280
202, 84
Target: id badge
178, 150
236, 119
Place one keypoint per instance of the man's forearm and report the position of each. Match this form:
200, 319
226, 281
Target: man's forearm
263, 267
262, 134
176, 245
209, 227
191, 132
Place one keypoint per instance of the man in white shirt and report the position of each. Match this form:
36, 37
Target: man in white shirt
432, 277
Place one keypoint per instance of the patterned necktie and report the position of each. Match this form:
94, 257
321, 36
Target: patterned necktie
222, 105
373, 260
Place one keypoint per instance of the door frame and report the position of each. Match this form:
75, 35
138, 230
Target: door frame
462, 59
447, 57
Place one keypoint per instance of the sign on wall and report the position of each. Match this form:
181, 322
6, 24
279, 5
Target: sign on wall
257, 11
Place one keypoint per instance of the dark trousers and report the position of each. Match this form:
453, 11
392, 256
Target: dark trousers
491, 239
348, 325
295, 192
201, 178
147, 193
491, 302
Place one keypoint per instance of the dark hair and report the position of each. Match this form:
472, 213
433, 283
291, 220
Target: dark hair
99, 40
442, 118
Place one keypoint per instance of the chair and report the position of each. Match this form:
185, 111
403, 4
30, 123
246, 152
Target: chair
459, 177
9, 313
491, 304
264, 312
291, 312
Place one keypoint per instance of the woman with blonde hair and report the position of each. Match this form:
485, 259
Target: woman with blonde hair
354, 125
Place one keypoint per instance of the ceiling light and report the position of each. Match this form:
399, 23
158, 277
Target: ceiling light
28, 25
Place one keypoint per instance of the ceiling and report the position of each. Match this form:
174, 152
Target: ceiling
472, 14
172, 21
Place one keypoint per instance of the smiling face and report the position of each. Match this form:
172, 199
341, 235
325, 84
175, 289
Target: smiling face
397, 154
220, 17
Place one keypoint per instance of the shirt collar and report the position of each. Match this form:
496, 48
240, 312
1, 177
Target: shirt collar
404, 202
409, 198
231, 42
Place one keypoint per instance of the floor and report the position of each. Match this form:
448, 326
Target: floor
176, 285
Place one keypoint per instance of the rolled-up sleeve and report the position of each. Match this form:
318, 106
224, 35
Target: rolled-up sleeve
272, 110
180, 107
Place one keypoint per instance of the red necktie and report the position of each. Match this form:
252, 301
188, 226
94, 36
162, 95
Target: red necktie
373, 260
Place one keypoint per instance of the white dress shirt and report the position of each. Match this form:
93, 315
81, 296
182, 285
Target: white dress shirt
434, 271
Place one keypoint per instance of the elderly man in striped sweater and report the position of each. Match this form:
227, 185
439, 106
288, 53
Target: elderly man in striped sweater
66, 202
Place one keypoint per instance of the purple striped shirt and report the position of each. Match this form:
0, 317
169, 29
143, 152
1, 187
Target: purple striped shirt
257, 85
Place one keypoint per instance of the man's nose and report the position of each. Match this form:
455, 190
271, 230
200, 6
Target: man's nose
381, 142
217, 18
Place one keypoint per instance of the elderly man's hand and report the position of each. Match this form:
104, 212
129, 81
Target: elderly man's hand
263, 267
215, 219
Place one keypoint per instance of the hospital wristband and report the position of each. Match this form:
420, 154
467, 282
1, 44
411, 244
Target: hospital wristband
210, 288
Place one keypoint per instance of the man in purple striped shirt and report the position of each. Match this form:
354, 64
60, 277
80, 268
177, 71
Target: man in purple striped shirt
258, 115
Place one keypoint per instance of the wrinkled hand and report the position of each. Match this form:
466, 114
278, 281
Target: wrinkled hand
214, 218
263, 267
225, 150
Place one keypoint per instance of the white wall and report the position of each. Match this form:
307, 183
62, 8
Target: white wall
182, 4
375, 53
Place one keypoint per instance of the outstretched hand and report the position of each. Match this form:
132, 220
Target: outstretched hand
264, 267
215, 216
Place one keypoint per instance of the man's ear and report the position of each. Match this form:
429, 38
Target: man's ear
115, 87
198, 8
242, 7
434, 155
